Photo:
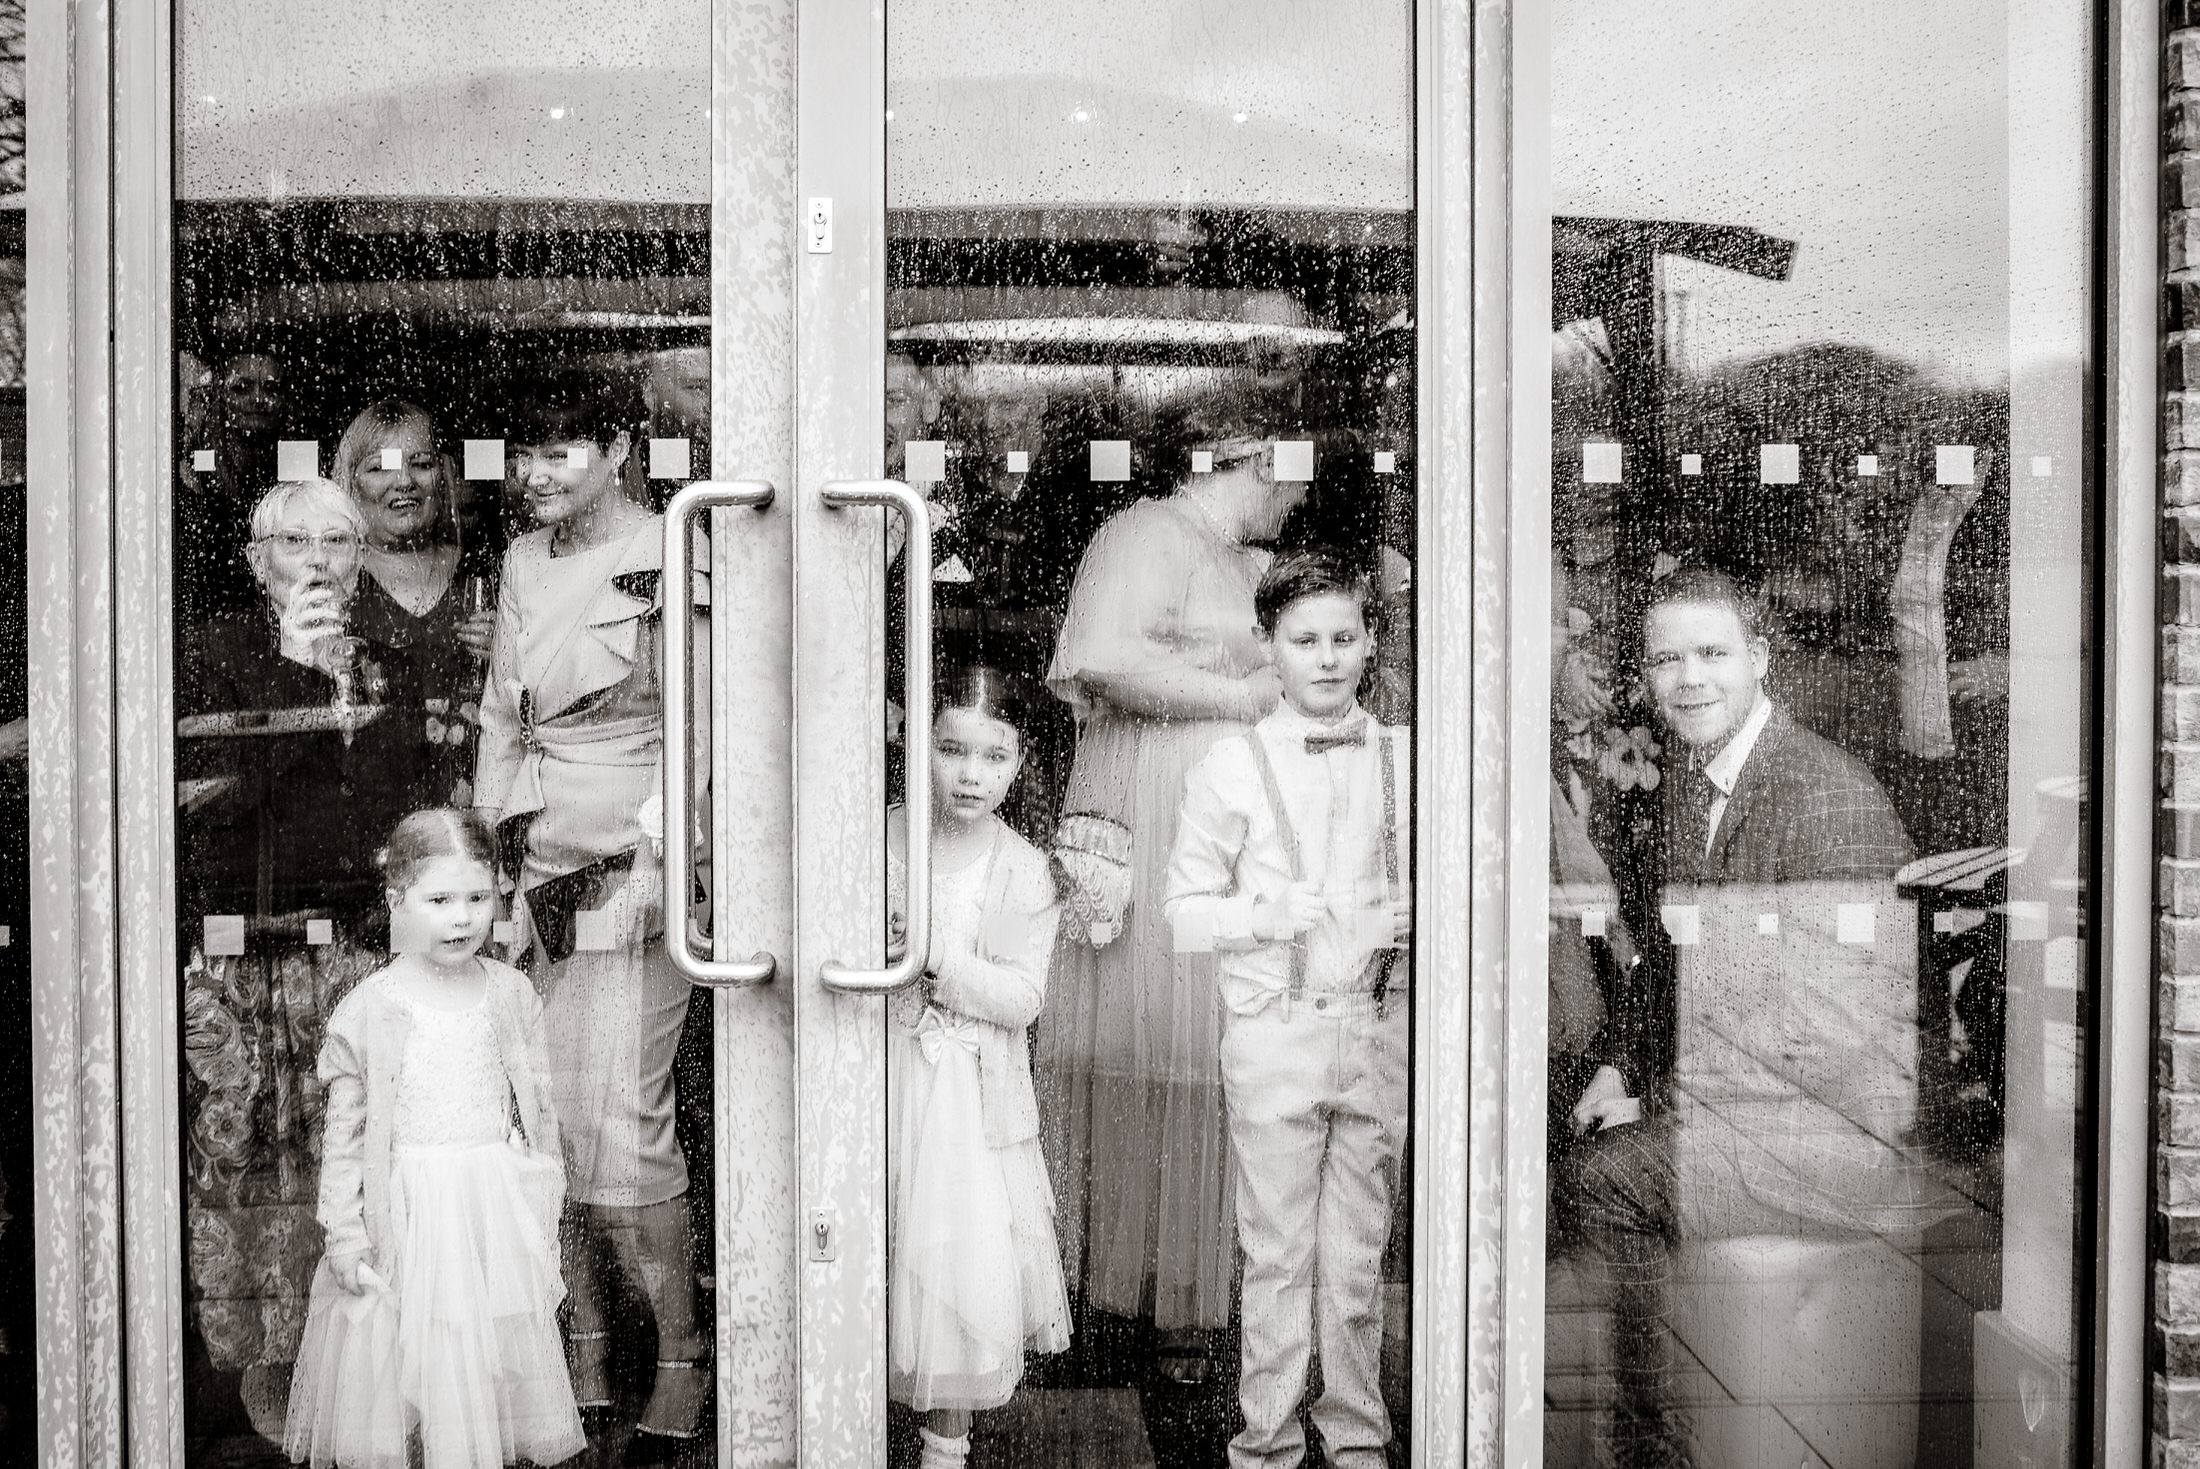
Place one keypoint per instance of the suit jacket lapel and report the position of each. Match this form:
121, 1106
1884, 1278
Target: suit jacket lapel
1748, 785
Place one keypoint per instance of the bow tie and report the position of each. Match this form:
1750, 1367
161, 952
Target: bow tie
1352, 734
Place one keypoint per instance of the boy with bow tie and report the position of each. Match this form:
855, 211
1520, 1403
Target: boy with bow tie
1291, 864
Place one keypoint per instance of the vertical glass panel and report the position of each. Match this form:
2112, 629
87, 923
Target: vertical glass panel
1821, 501
1151, 337
18, 1293
441, 310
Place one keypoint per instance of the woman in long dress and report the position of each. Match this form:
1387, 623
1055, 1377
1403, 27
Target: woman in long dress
572, 740
1159, 659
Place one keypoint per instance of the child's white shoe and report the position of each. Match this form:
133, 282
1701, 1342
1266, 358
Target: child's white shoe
941, 1452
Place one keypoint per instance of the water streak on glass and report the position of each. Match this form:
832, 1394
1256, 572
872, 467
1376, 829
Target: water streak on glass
18, 1296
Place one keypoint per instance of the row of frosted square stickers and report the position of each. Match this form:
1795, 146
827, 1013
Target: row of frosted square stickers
300, 459
1782, 464
925, 460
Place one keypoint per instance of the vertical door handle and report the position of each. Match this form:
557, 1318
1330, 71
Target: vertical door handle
916, 674
679, 581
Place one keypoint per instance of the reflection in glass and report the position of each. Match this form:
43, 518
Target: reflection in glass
1146, 334
1818, 503
18, 1296
387, 276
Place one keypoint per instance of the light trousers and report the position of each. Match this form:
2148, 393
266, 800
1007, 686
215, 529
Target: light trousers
1317, 1101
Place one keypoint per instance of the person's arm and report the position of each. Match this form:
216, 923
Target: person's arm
1008, 987
537, 1055
498, 752
1187, 691
1117, 642
342, 1201
1205, 899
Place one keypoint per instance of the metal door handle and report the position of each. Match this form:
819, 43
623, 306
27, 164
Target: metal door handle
679, 579
916, 674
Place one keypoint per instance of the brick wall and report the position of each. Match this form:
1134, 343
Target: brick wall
2175, 1350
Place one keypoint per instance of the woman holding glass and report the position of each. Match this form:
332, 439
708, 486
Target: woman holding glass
1159, 658
291, 769
572, 745
420, 594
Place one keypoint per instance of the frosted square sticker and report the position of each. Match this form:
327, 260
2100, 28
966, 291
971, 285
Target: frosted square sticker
1592, 923
504, 931
668, 459
1600, 464
1692, 464
1294, 459
1779, 464
1386, 461
320, 931
484, 459
1374, 928
1683, 923
1111, 461
224, 935
297, 459
1867, 466
1768, 925
576, 456
1019, 461
1955, 464
1855, 923
924, 461
1194, 930
391, 459
2043, 467
1944, 921
202, 461
595, 931
1203, 461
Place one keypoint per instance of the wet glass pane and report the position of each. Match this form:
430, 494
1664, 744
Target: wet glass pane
1821, 501
441, 330
1150, 316
18, 1294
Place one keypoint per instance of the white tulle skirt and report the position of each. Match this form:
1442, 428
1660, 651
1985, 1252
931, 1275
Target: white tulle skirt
461, 1344
974, 1276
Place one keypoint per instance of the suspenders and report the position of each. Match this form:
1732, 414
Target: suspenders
1382, 961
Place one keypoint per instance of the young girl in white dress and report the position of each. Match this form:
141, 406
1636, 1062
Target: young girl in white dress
432, 1336
974, 1276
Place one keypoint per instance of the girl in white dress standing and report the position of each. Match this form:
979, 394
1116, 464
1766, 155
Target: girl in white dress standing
434, 1310
974, 1276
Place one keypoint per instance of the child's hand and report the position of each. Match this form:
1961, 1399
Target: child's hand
897, 937
1302, 907
346, 1269
1604, 1103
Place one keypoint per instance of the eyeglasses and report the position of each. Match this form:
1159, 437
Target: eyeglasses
297, 543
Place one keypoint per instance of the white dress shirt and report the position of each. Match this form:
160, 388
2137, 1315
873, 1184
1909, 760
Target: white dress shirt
1726, 766
1230, 859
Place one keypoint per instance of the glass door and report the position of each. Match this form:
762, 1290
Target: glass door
1109, 1026
472, 1139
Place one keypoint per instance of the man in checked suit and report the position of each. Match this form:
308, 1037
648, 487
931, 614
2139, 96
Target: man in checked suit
1763, 1081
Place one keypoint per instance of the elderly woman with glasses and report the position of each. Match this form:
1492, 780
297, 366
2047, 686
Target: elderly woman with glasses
291, 770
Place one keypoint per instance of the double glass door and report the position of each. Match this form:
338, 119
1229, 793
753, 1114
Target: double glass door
931, 434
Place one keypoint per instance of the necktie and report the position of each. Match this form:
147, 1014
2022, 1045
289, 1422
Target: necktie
1692, 821
1354, 733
